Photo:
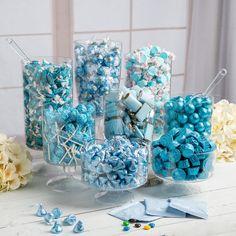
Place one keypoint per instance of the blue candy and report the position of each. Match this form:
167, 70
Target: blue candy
189, 157
45, 84
97, 70
65, 138
116, 164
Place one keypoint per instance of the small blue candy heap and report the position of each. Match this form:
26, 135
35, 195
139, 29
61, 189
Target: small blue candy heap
45, 84
151, 67
183, 154
192, 112
98, 66
66, 131
130, 112
115, 164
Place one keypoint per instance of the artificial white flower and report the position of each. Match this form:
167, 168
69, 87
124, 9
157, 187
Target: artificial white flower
15, 164
224, 130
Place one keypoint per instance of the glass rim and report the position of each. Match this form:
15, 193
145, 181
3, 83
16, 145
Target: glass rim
40, 58
94, 39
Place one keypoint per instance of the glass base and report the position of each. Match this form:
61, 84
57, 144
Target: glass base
114, 197
66, 183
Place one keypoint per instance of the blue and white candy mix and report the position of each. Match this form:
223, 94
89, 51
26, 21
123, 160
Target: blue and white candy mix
45, 84
98, 65
66, 131
115, 164
151, 67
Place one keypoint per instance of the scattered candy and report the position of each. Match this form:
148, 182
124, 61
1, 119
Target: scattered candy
152, 225
69, 220
98, 66
137, 225
132, 221
49, 218
151, 67
130, 112
224, 130
146, 227
125, 223
56, 229
183, 154
192, 112
78, 228
41, 211
116, 164
126, 228
45, 84
66, 130
57, 213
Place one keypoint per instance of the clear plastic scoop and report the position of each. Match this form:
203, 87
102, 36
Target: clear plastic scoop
220, 75
18, 50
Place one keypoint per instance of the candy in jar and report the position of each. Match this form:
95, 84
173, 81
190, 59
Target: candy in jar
66, 131
115, 164
192, 112
182, 155
130, 112
98, 64
151, 67
45, 84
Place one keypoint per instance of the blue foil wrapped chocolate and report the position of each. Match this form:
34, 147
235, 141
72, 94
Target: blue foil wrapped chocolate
98, 65
115, 164
66, 131
183, 155
45, 83
192, 112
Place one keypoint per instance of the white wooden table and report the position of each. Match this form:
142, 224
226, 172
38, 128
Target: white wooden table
17, 208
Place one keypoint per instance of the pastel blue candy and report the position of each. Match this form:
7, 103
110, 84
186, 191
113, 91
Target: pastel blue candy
101, 63
182, 118
69, 220
57, 213
183, 164
193, 171
49, 218
120, 164
187, 150
56, 229
78, 228
189, 108
174, 155
41, 211
178, 174
200, 127
194, 118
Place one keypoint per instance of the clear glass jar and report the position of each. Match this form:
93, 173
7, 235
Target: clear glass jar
191, 111
66, 131
130, 112
197, 168
152, 67
98, 67
111, 165
47, 81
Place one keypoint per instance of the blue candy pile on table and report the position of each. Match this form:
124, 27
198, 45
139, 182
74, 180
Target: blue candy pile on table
115, 164
98, 65
45, 84
130, 112
53, 218
151, 67
66, 131
192, 112
182, 154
